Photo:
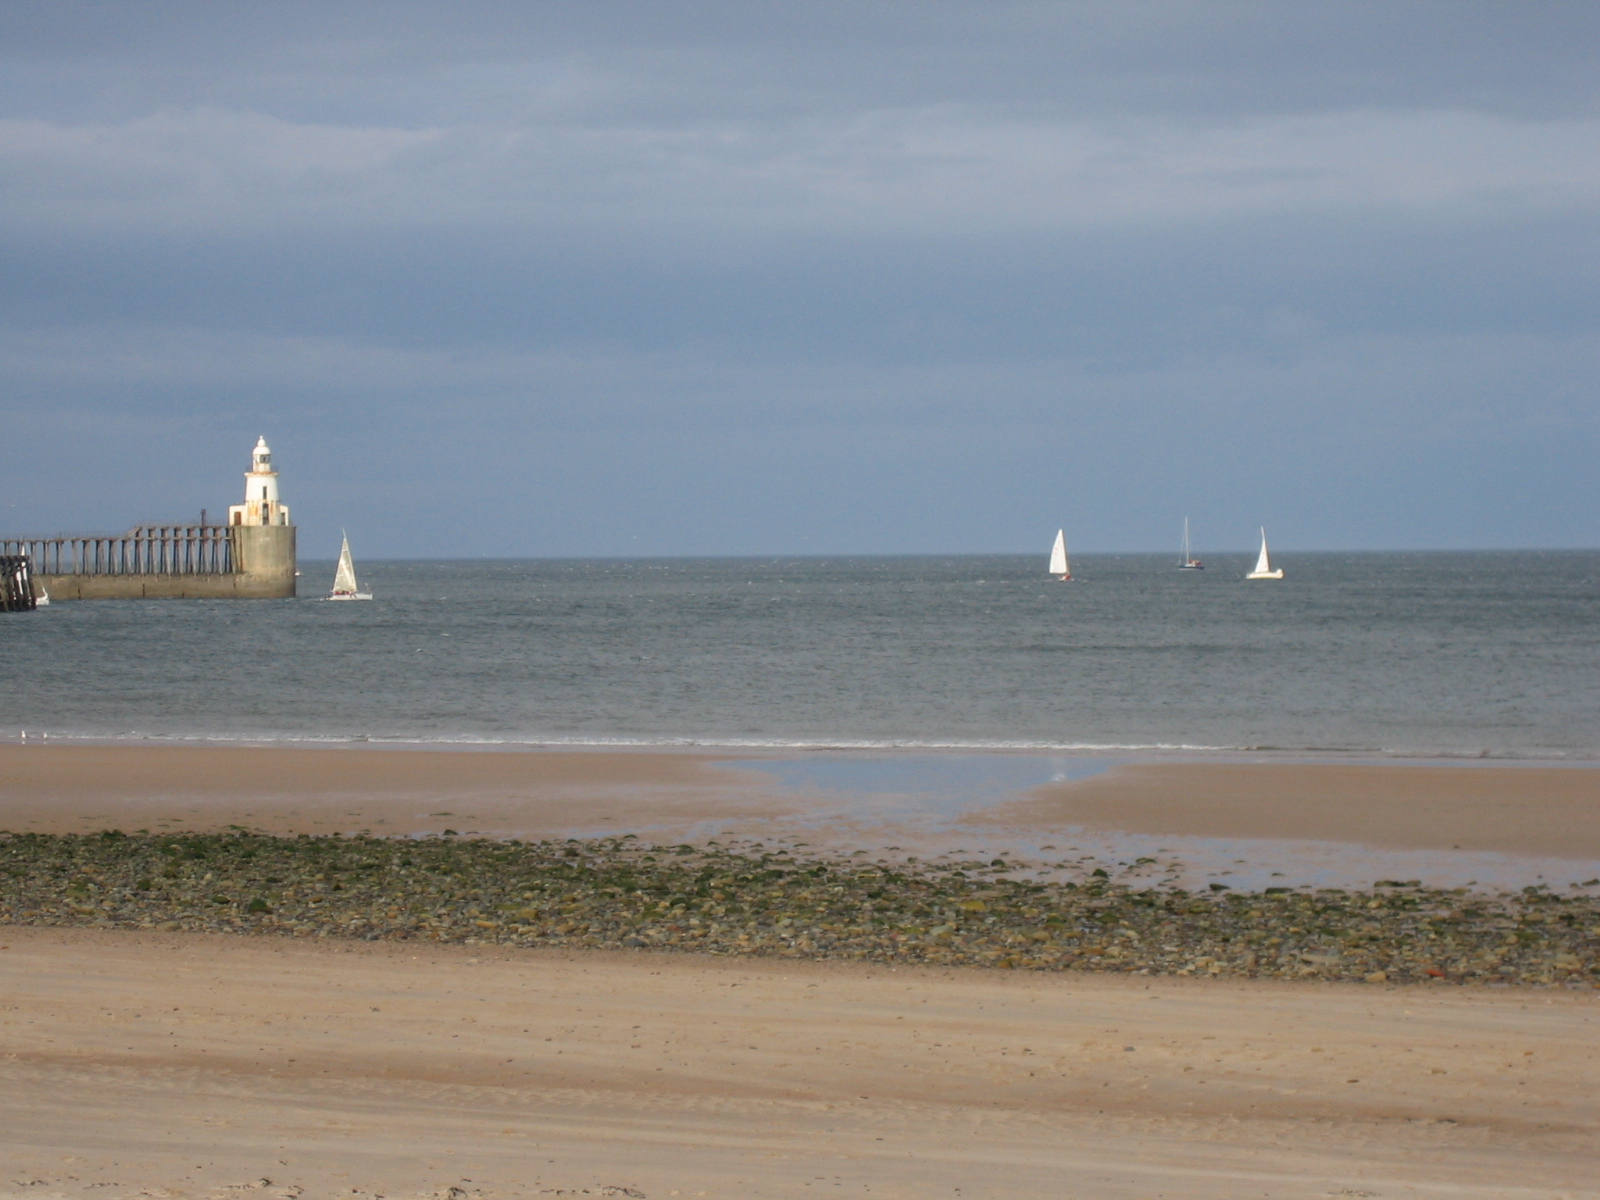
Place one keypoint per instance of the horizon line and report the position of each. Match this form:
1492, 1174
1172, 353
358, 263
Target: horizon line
750, 555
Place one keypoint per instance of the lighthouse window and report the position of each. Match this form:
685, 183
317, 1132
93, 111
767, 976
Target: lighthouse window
263, 491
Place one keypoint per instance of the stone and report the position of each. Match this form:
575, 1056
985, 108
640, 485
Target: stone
719, 900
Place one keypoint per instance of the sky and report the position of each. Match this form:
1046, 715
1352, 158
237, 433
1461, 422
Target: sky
724, 278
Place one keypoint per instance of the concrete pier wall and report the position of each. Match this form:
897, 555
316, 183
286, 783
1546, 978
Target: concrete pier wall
155, 587
263, 555
266, 558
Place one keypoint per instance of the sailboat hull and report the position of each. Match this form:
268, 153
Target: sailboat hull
351, 596
1278, 574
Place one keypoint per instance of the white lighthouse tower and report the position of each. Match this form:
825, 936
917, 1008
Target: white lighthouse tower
261, 505
259, 533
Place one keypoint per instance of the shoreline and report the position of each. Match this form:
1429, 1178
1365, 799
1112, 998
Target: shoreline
1250, 825
1524, 808
744, 747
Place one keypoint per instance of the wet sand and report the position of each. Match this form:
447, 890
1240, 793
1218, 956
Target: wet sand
209, 1066
1549, 812
291, 790
1519, 810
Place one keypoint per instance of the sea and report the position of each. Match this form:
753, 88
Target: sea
1437, 655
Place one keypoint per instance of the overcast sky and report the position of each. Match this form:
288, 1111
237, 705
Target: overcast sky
600, 278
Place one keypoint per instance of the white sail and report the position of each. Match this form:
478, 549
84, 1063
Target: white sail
1263, 564
344, 579
1058, 556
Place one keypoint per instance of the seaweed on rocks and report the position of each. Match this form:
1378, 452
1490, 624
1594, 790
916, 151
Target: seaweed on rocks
620, 893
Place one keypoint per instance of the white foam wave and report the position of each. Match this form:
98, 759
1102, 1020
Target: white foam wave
764, 745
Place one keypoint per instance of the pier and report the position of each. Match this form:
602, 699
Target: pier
251, 557
163, 562
143, 550
16, 583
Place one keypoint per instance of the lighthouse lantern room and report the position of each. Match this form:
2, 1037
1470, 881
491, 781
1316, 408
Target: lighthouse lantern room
261, 505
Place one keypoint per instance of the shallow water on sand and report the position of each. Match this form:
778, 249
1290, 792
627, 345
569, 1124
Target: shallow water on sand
1436, 654
906, 784
913, 804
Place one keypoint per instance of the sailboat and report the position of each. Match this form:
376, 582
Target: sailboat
1188, 562
1263, 566
1059, 566
344, 579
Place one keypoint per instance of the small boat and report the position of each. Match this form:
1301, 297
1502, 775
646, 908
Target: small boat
1188, 562
344, 579
42, 600
1263, 566
1059, 567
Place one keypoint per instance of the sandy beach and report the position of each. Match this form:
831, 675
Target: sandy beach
1246, 824
1515, 809
209, 1066
194, 1064
289, 790
1548, 811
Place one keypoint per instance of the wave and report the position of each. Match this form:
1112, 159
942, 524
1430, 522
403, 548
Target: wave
838, 745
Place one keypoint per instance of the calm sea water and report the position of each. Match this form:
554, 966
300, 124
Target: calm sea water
1418, 654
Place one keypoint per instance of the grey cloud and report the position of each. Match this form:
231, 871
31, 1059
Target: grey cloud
1106, 56
211, 171
718, 277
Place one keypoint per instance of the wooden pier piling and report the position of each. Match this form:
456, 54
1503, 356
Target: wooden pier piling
16, 584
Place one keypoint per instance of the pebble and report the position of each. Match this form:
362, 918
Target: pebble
621, 893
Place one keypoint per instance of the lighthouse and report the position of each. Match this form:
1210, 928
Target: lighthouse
252, 557
261, 504
260, 533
